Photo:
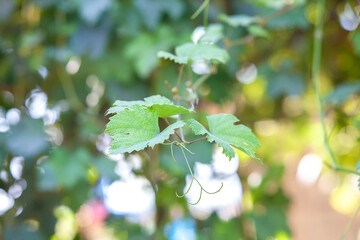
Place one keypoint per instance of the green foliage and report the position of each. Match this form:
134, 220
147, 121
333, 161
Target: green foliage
258, 31
27, 138
283, 81
271, 223
64, 169
137, 128
115, 44
22, 231
355, 38
190, 52
153, 10
291, 19
142, 51
213, 33
238, 20
342, 92
159, 104
226, 131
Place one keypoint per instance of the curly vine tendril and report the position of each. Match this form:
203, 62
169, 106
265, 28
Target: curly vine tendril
182, 146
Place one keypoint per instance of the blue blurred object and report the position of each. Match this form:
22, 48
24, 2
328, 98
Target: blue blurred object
181, 229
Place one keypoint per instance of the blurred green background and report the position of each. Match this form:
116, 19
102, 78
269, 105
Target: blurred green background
64, 62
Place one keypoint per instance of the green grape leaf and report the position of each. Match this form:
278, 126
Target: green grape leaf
213, 33
227, 133
196, 52
238, 20
190, 52
161, 105
172, 57
164, 107
119, 106
137, 128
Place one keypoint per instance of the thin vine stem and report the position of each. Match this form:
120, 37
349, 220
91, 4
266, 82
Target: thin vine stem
66, 83
182, 136
179, 77
350, 222
69, 90
341, 169
203, 7
202, 79
177, 135
206, 13
189, 143
316, 63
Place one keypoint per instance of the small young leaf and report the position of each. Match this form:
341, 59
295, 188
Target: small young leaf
172, 57
238, 20
137, 128
226, 132
197, 52
213, 33
190, 52
161, 105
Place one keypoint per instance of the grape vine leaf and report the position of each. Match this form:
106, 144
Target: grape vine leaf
137, 128
213, 33
172, 57
190, 52
226, 131
161, 105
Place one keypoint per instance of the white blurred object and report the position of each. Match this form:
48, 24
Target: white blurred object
122, 168
197, 34
348, 19
73, 65
37, 103
4, 125
15, 190
55, 135
131, 196
16, 167
254, 179
103, 142
201, 67
52, 115
135, 161
43, 72
309, 169
13, 116
4, 176
222, 165
226, 202
247, 74
97, 90
6, 201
